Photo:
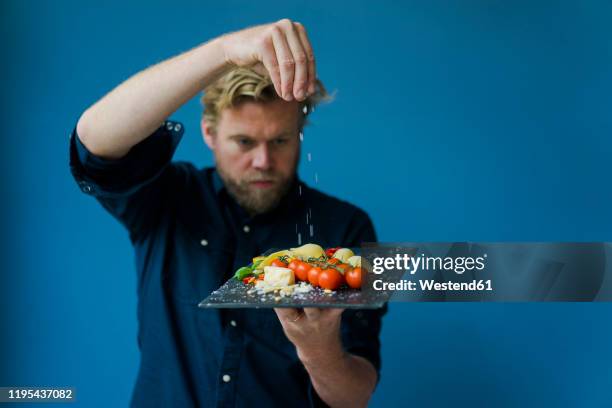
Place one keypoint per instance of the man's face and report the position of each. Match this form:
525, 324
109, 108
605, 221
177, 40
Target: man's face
256, 148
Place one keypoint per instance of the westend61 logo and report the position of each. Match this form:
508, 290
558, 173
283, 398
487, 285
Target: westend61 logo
411, 264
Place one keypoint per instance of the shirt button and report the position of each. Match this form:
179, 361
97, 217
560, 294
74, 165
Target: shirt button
233, 323
177, 127
226, 378
169, 125
246, 228
86, 189
203, 242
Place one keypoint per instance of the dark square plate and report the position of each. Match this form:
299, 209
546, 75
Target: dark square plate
233, 294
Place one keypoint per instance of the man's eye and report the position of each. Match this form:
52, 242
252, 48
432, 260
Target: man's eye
245, 142
280, 142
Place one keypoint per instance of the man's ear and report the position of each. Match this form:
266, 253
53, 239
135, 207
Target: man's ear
208, 133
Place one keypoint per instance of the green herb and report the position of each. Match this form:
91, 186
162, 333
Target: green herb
243, 273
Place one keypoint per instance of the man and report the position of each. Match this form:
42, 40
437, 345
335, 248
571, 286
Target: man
191, 228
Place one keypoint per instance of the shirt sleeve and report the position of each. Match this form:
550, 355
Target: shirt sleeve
360, 329
134, 188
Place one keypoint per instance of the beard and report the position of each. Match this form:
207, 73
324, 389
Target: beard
257, 200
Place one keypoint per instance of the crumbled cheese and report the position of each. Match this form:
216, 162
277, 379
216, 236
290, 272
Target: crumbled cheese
302, 287
263, 287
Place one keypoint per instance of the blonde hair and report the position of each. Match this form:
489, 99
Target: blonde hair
245, 84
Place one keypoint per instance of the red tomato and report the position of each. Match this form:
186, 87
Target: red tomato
353, 278
301, 270
279, 263
344, 268
313, 275
330, 279
331, 251
293, 264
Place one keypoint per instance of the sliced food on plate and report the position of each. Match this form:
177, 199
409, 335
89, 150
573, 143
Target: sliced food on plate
301, 270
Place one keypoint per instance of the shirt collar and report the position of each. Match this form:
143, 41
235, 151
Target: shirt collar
217, 182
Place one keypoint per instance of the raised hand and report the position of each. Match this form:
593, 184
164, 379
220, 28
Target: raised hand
283, 48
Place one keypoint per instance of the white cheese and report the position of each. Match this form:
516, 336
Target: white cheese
278, 276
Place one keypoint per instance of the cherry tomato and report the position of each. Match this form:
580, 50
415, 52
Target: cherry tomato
301, 271
331, 251
344, 268
293, 264
333, 261
313, 275
279, 263
246, 280
330, 279
353, 278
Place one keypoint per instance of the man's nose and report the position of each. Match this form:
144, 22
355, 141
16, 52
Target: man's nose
261, 158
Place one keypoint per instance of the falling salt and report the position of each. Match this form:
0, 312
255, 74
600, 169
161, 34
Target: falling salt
296, 228
306, 218
311, 230
305, 109
310, 213
299, 238
300, 189
301, 136
309, 157
316, 178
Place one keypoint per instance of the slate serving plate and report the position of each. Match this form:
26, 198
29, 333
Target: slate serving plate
233, 294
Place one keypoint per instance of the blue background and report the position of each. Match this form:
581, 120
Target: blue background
460, 120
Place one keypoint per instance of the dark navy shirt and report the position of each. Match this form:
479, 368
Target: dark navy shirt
189, 236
